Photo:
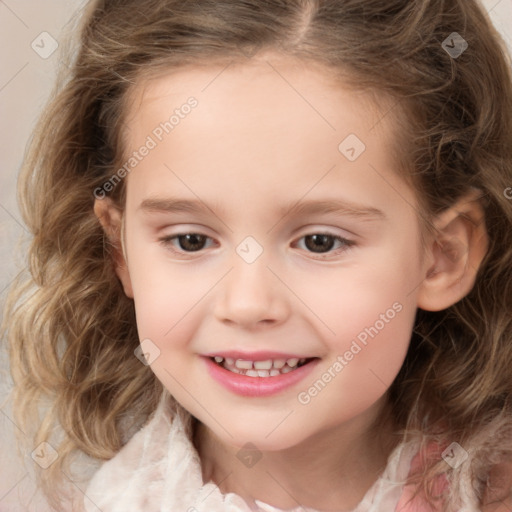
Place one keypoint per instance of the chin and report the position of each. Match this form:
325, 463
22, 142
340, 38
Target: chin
263, 435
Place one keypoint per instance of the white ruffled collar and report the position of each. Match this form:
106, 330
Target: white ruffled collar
159, 470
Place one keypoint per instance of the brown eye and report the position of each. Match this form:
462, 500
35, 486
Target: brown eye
325, 243
319, 243
191, 242
187, 242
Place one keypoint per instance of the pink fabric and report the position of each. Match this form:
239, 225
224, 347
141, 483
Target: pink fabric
419, 504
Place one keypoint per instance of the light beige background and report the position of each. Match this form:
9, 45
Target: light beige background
26, 79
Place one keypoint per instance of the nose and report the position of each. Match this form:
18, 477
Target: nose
251, 296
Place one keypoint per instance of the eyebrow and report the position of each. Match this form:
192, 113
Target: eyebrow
310, 207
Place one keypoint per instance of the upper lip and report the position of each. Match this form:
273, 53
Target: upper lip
255, 356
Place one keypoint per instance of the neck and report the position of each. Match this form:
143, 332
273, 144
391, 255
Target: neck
336, 466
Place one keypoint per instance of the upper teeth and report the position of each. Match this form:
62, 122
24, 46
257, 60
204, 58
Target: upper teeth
260, 365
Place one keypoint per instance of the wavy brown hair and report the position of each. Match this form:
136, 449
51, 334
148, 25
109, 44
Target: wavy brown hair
70, 328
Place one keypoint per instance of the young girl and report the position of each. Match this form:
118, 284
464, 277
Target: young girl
184, 327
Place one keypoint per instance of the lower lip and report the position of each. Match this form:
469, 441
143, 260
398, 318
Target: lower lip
258, 386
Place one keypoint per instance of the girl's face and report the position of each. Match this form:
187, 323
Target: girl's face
264, 222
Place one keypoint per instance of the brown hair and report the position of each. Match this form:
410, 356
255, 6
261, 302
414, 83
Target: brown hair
71, 329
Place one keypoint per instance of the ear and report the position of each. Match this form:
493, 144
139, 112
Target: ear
455, 254
110, 217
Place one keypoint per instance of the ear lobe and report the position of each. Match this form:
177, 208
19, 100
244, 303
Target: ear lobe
456, 254
111, 219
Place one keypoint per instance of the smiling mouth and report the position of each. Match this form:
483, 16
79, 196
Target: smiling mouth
268, 368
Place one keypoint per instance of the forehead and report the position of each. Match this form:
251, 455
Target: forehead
271, 126
270, 88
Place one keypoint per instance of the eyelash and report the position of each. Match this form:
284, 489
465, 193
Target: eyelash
348, 244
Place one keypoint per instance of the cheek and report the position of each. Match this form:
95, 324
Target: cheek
365, 355
372, 335
368, 314
379, 348
165, 307
367, 295
164, 293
